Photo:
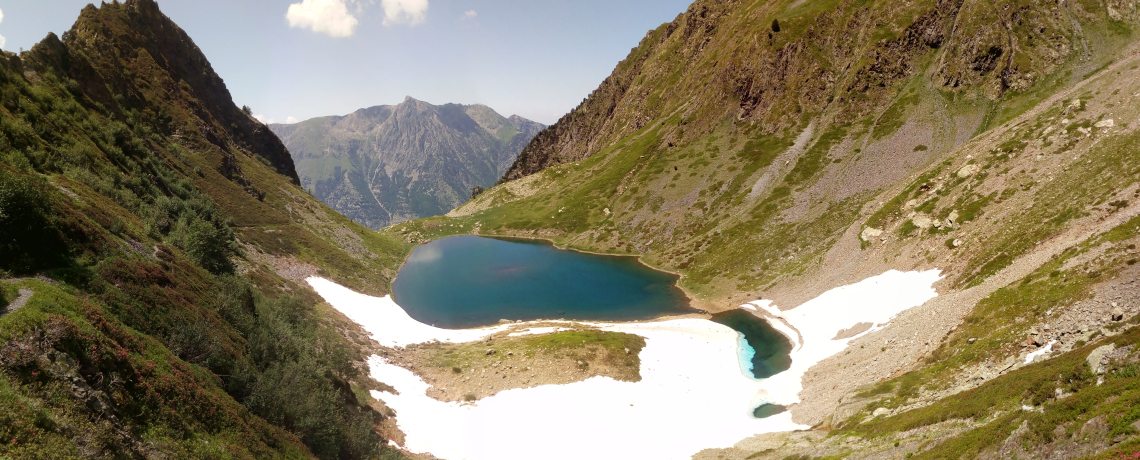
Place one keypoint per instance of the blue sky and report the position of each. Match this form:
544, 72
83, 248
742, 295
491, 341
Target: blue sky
308, 58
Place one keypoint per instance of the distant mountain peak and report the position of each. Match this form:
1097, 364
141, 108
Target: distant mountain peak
387, 164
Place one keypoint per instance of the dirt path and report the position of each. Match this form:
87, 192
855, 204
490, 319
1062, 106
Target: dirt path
25, 294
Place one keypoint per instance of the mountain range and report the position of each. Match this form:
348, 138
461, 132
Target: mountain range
389, 164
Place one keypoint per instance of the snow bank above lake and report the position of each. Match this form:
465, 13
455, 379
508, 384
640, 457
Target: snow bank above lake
693, 394
387, 322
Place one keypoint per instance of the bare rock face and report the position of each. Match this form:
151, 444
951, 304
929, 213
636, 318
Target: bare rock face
388, 164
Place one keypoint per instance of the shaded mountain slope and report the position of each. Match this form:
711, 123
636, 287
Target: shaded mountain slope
153, 242
389, 164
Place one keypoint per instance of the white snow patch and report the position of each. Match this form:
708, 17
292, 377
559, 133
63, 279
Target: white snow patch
1045, 349
387, 322
875, 300
748, 307
693, 394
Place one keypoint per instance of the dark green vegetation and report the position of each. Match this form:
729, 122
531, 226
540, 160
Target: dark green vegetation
388, 164
156, 215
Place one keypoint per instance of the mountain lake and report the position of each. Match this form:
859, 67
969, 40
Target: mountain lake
470, 281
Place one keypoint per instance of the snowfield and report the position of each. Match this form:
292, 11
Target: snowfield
693, 394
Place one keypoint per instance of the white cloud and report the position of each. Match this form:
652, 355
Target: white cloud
329, 17
471, 14
262, 118
291, 120
409, 12
2, 39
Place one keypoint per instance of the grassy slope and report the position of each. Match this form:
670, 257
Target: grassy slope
133, 189
680, 185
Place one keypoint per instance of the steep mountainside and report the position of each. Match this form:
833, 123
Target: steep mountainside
153, 242
777, 149
389, 164
718, 125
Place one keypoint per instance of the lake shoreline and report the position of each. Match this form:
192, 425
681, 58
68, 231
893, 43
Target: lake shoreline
493, 279
705, 305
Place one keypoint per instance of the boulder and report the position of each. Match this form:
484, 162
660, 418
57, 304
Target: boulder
1104, 123
1117, 314
1097, 355
922, 221
870, 233
880, 412
968, 170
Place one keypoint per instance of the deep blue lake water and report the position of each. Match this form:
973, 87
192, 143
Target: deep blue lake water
470, 281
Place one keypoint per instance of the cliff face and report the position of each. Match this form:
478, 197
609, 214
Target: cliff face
389, 164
